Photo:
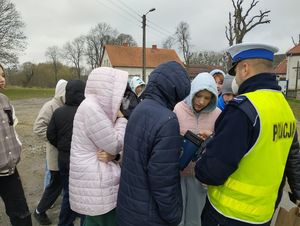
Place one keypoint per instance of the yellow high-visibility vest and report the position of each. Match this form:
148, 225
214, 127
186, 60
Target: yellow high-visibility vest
250, 193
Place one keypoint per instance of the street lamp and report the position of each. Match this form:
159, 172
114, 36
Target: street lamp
144, 43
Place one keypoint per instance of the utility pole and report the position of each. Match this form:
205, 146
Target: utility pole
297, 77
144, 43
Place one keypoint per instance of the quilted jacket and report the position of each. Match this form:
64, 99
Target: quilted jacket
150, 192
94, 184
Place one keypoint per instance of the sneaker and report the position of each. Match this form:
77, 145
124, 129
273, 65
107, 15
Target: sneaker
42, 218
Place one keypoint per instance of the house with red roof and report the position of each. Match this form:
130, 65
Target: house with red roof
287, 70
130, 58
194, 69
281, 69
293, 69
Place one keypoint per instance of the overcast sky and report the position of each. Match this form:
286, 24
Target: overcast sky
54, 22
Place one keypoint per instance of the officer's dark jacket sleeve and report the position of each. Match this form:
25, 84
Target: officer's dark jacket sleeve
292, 169
233, 139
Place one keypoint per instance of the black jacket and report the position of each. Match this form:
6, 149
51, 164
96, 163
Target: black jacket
129, 102
149, 192
59, 131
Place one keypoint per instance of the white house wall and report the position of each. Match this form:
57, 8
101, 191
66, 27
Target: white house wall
291, 73
131, 71
136, 71
105, 61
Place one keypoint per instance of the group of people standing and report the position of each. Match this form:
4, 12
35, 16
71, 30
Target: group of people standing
116, 147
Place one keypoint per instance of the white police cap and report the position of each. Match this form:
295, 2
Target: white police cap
245, 51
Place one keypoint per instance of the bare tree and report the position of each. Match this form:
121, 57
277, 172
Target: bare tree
53, 53
12, 38
97, 38
294, 42
169, 43
183, 37
91, 53
209, 58
125, 39
29, 71
73, 52
241, 22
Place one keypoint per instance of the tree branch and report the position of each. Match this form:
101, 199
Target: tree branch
252, 5
260, 21
240, 27
261, 16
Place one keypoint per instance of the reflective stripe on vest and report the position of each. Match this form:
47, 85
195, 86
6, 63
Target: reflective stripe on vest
250, 193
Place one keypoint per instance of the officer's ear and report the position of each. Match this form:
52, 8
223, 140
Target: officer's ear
245, 68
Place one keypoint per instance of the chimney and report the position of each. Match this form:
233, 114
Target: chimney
125, 44
154, 46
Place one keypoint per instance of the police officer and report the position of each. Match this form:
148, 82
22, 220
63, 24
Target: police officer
254, 146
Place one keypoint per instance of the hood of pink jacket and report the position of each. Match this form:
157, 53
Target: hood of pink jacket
107, 86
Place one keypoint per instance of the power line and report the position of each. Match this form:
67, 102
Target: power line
158, 28
118, 12
164, 33
135, 12
123, 9
158, 31
161, 28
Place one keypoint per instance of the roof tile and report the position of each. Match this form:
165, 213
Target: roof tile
295, 50
195, 69
281, 68
126, 56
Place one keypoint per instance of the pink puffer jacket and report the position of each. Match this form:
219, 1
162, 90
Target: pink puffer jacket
189, 121
93, 184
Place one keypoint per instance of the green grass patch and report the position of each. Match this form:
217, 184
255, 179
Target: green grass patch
15, 93
295, 105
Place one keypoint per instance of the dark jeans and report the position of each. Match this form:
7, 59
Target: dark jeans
210, 217
66, 215
51, 192
12, 193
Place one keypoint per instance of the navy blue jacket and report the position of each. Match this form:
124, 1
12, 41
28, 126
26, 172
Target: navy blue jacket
234, 131
150, 193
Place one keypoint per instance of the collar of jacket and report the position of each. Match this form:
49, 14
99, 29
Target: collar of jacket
259, 81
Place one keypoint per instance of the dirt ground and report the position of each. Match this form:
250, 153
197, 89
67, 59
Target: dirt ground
31, 166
